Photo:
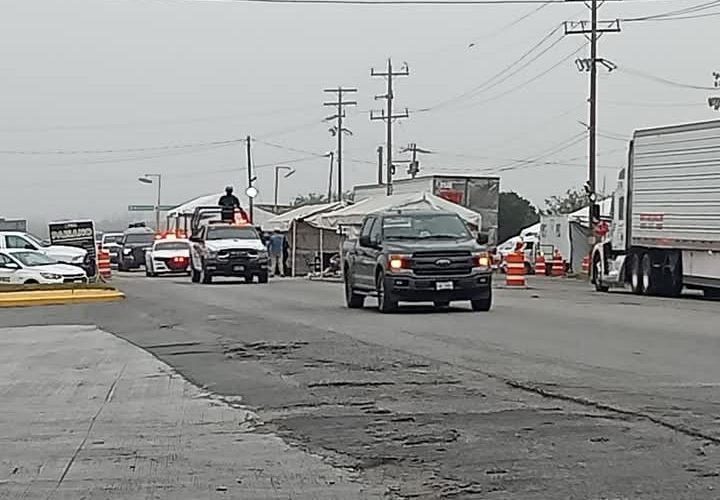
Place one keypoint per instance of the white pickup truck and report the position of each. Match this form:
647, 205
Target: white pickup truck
26, 241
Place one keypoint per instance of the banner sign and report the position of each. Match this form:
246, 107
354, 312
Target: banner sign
80, 234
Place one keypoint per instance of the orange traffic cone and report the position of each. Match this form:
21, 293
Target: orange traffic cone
558, 264
540, 268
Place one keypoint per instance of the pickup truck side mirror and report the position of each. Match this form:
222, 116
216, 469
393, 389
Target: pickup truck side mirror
365, 241
482, 238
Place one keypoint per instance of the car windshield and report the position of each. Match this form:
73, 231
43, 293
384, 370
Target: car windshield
421, 226
139, 238
32, 259
112, 238
230, 233
171, 245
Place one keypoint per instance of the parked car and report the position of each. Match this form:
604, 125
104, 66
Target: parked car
24, 267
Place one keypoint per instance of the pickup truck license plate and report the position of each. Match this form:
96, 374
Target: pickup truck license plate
444, 285
238, 268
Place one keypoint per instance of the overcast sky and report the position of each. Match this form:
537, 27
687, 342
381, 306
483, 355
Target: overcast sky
85, 75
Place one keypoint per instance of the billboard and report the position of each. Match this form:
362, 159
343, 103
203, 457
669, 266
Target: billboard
80, 234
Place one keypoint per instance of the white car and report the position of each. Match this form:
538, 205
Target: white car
26, 241
168, 256
25, 267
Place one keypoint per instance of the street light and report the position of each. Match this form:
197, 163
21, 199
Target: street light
148, 179
288, 174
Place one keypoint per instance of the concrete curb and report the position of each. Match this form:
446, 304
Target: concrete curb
58, 297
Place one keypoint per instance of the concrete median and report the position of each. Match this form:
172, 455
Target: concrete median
39, 295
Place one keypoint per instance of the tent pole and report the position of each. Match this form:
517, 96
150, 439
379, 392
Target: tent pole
321, 252
294, 246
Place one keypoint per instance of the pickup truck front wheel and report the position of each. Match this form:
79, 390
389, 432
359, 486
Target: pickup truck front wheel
386, 304
352, 299
482, 304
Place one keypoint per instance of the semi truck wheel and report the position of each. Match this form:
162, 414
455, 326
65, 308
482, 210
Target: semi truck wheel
651, 277
636, 283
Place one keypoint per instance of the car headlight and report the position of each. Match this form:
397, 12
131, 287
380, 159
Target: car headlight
79, 259
212, 254
127, 251
262, 254
50, 276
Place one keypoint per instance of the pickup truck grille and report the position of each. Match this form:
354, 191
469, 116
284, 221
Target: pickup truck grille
237, 254
445, 263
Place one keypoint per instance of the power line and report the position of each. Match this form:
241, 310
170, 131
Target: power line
658, 79
124, 150
677, 12
402, 2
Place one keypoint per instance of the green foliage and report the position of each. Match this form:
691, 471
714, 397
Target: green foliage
515, 214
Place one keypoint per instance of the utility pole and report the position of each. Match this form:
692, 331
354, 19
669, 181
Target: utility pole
380, 165
338, 129
387, 115
592, 30
413, 164
714, 102
248, 143
330, 155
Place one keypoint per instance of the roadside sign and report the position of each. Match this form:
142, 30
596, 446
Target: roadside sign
149, 208
80, 234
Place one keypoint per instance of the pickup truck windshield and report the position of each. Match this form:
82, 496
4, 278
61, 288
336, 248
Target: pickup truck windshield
424, 226
232, 233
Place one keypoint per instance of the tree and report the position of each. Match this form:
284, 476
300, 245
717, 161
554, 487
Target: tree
571, 201
515, 213
308, 199
316, 198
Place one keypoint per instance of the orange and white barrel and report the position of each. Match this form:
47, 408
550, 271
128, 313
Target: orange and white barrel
515, 269
586, 264
103, 264
540, 267
558, 264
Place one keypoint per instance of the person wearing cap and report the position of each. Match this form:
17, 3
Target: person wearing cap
229, 202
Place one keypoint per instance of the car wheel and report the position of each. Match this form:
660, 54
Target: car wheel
636, 283
597, 275
352, 299
31, 282
482, 305
442, 304
386, 304
650, 276
263, 277
205, 277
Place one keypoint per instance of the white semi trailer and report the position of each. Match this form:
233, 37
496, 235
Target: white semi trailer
665, 231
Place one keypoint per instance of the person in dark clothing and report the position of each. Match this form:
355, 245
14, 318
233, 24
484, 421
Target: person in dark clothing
229, 202
286, 256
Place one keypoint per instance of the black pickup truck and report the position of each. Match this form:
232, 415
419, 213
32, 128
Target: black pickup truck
417, 256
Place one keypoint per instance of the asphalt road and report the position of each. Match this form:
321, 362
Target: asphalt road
558, 392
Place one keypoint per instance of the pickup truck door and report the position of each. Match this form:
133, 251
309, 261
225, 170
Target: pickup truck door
364, 262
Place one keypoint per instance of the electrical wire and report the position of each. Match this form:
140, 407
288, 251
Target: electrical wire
677, 12
123, 150
658, 79
397, 2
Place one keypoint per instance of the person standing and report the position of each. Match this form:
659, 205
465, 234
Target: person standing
275, 249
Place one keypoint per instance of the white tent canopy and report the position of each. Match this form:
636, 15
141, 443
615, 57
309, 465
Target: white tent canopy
353, 215
283, 221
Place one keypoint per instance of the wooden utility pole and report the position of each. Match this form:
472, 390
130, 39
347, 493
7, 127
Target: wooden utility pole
592, 30
380, 165
414, 163
339, 130
387, 114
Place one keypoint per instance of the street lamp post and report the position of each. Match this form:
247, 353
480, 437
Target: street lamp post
288, 174
148, 179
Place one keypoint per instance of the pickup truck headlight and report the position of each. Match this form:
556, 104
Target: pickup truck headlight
50, 276
78, 259
482, 260
211, 254
127, 251
262, 254
397, 262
